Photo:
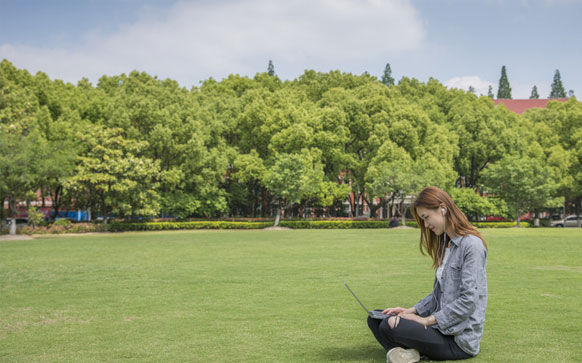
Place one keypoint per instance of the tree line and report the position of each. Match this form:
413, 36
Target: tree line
138, 146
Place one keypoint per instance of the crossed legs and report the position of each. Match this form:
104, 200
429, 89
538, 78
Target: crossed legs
395, 332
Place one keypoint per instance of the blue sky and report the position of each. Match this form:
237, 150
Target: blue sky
461, 43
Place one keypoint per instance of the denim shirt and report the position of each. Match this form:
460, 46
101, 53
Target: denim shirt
458, 301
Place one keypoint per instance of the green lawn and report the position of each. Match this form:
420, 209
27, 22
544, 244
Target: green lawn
269, 296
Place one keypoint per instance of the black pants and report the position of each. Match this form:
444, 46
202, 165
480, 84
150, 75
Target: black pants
409, 334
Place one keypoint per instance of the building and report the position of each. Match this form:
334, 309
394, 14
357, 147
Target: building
520, 106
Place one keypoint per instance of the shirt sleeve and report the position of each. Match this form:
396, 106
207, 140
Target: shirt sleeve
427, 305
472, 279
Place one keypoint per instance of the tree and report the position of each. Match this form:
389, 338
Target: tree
111, 170
22, 146
504, 90
485, 134
387, 77
558, 128
557, 87
570, 93
19, 167
472, 89
522, 182
388, 175
534, 93
271, 68
474, 205
291, 178
490, 92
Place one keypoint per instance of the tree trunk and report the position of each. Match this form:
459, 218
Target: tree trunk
402, 212
12, 209
537, 218
104, 210
278, 216
372, 207
517, 219
56, 197
12, 226
578, 219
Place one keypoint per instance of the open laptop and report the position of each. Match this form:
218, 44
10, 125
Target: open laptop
371, 313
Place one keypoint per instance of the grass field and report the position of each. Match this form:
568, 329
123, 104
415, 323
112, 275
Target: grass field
269, 296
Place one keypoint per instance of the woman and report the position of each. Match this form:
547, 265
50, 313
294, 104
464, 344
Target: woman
448, 323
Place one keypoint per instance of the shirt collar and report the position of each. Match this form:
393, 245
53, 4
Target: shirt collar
456, 240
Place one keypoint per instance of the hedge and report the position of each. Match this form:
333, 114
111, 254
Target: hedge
499, 224
163, 226
294, 224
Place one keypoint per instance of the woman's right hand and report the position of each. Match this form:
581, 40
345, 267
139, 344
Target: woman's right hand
398, 310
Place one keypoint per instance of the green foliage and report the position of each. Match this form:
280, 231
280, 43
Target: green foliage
62, 222
504, 90
500, 224
534, 93
293, 224
139, 146
558, 90
271, 68
346, 224
35, 217
473, 204
60, 227
524, 183
293, 177
162, 226
387, 76
110, 169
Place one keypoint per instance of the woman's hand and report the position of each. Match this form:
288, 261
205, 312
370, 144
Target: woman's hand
428, 321
398, 310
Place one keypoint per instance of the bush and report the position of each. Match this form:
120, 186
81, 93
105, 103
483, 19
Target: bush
57, 228
34, 216
164, 226
499, 224
295, 224
62, 222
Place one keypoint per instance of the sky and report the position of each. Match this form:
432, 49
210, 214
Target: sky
461, 43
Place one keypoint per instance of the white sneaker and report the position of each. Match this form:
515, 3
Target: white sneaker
401, 355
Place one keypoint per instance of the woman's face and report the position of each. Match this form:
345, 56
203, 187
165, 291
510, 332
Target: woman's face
433, 219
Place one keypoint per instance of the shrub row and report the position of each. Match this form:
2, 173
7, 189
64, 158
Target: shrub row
294, 224
164, 226
331, 224
499, 224
62, 227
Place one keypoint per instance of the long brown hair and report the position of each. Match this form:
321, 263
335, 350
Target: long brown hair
433, 198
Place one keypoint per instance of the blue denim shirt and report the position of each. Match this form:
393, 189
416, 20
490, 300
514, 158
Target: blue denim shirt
458, 301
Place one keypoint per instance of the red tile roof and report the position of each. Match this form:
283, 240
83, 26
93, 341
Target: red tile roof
519, 106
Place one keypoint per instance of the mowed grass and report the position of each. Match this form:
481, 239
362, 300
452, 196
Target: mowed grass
269, 296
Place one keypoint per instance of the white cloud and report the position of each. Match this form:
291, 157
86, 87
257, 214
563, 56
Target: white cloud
481, 86
193, 41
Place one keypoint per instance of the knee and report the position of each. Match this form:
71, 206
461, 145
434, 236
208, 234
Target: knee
393, 321
388, 325
385, 327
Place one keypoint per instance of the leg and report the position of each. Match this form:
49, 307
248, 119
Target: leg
429, 342
374, 325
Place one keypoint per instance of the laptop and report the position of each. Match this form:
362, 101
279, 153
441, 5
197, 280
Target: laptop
371, 313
